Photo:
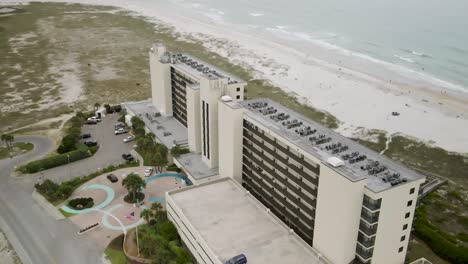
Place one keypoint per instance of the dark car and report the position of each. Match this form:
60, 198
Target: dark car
127, 157
239, 259
85, 135
90, 122
90, 143
112, 178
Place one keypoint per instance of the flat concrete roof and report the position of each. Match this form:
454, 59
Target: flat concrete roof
191, 162
233, 222
351, 169
161, 125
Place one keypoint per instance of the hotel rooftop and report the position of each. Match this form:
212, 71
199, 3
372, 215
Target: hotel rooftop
232, 222
197, 67
343, 155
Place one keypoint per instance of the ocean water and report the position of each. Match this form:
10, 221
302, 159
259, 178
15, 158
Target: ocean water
427, 36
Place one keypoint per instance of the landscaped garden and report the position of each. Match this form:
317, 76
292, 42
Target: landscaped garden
159, 240
57, 193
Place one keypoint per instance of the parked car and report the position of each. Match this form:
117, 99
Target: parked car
83, 136
119, 125
120, 131
239, 259
148, 172
90, 122
90, 143
112, 178
129, 139
127, 157
95, 118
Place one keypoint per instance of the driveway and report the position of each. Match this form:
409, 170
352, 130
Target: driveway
110, 152
36, 236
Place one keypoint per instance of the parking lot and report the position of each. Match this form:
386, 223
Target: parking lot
111, 148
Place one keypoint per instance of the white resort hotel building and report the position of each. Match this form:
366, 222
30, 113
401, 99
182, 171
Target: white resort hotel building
268, 182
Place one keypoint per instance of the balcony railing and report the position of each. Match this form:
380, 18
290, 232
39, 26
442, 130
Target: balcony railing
368, 230
365, 241
371, 204
364, 253
370, 217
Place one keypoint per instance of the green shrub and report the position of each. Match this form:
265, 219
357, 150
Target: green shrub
173, 167
440, 242
70, 140
54, 161
81, 203
177, 151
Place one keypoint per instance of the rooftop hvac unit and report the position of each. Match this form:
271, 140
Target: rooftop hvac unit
335, 162
226, 98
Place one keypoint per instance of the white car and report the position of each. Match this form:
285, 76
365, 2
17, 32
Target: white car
129, 139
120, 131
93, 118
148, 172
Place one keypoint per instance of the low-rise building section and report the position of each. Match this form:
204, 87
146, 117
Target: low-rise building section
220, 219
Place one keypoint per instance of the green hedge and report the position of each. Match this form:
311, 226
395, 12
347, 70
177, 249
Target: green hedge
440, 242
54, 192
54, 161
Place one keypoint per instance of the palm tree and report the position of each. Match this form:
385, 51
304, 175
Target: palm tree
157, 209
147, 215
133, 183
8, 139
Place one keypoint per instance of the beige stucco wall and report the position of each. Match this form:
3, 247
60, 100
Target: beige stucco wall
160, 81
193, 119
337, 216
230, 141
391, 221
210, 92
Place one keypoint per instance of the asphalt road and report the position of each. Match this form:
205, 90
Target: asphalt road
36, 236
110, 152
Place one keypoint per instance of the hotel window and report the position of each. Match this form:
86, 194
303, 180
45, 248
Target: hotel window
238, 97
410, 203
407, 215
402, 238
238, 89
405, 226
400, 249
411, 191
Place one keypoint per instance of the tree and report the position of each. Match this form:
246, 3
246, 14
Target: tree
8, 139
157, 210
96, 106
133, 183
147, 215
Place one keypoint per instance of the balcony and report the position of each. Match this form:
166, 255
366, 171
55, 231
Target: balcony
369, 217
365, 241
371, 204
364, 253
368, 230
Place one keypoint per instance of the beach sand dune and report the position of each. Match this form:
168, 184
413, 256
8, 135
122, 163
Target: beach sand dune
360, 93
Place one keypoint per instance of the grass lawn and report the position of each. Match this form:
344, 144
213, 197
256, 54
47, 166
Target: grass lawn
116, 256
115, 251
66, 214
18, 148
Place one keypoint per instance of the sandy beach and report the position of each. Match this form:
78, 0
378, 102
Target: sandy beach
360, 92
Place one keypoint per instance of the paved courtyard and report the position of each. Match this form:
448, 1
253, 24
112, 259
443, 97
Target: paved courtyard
110, 210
